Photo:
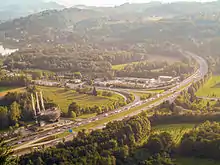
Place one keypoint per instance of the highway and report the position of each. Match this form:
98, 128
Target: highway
169, 95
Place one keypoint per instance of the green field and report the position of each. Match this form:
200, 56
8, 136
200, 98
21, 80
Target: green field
64, 97
121, 66
196, 161
176, 130
211, 88
115, 116
155, 91
141, 94
5, 90
2, 89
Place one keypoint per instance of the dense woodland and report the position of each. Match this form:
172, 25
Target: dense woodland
122, 143
97, 62
153, 70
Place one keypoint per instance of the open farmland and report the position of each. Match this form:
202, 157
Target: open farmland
64, 97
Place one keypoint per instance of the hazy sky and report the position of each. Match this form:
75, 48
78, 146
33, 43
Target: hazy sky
111, 2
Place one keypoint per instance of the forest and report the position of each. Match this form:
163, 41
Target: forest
130, 142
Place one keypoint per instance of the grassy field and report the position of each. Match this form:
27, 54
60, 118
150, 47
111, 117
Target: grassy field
203, 104
140, 94
121, 66
152, 58
2, 89
196, 161
176, 130
115, 116
64, 98
211, 88
5, 90
155, 91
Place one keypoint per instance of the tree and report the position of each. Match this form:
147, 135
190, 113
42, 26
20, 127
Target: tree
208, 104
158, 159
154, 145
122, 152
3, 117
158, 143
78, 75
15, 112
72, 114
5, 152
75, 108
94, 92
36, 75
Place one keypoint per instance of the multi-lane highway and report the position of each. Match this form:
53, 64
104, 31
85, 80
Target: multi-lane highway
169, 95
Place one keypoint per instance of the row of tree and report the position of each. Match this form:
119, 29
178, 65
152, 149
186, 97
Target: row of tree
9, 116
109, 146
155, 69
76, 110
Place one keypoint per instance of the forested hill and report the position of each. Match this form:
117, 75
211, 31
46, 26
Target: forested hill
97, 24
12, 9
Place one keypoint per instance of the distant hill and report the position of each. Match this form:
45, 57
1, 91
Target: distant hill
12, 9
96, 24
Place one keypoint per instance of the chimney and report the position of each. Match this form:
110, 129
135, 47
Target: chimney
38, 105
33, 105
42, 101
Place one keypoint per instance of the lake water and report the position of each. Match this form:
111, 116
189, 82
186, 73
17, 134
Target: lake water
6, 51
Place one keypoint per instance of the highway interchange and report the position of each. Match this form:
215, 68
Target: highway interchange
169, 95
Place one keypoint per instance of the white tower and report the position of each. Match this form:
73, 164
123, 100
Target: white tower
42, 101
38, 104
33, 105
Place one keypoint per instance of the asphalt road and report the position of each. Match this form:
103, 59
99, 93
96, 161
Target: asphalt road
169, 95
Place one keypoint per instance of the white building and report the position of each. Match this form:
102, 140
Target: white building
165, 78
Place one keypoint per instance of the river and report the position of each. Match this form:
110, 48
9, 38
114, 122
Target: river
6, 51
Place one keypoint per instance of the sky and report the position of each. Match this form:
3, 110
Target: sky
112, 2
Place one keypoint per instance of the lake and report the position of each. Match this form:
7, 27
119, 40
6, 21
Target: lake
6, 51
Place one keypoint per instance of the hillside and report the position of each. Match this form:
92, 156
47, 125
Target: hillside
15, 8
130, 22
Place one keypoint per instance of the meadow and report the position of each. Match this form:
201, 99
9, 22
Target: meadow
211, 88
64, 97
5, 90
122, 66
176, 130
